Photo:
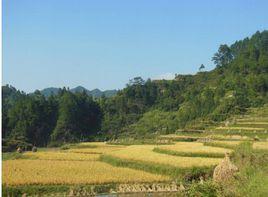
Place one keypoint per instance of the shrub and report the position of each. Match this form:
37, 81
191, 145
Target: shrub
12, 145
196, 173
54, 144
206, 189
65, 147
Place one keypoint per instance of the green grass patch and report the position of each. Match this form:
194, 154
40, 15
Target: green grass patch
252, 179
180, 138
183, 174
206, 189
33, 190
57, 190
77, 146
15, 155
188, 154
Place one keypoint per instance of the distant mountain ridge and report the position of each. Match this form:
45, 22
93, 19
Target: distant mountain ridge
96, 93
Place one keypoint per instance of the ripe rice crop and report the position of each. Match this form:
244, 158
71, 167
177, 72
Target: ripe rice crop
194, 147
256, 145
260, 145
64, 156
144, 153
27, 172
174, 136
253, 123
97, 145
97, 150
228, 137
195, 138
241, 128
227, 142
92, 144
223, 144
252, 119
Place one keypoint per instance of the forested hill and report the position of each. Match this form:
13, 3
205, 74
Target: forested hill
96, 93
239, 81
145, 108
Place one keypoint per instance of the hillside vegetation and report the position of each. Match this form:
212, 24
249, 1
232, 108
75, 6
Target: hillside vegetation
239, 81
145, 108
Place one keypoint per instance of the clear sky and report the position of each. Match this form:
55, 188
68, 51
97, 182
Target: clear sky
104, 43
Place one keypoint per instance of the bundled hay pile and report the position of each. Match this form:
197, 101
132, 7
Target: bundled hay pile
34, 149
156, 187
225, 170
19, 150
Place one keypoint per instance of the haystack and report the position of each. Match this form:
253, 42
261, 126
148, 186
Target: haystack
34, 149
225, 170
19, 150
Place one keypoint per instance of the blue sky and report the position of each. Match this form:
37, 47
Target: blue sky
104, 43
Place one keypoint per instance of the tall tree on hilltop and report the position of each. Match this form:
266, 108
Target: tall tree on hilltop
223, 56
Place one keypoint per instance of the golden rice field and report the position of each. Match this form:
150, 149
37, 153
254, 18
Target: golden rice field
81, 165
228, 137
97, 150
252, 119
144, 153
226, 142
260, 145
257, 145
214, 136
98, 145
25, 172
194, 147
63, 156
253, 123
241, 128
176, 136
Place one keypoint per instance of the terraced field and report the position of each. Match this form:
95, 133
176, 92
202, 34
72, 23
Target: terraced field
254, 122
21, 172
145, 153
192, 149
97, 148
232, 144
99, 163
62, 156
83, 167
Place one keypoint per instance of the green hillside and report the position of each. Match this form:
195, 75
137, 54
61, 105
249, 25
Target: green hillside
239, 82
207, 100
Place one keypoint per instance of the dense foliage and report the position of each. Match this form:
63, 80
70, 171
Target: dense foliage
145, 108
37, 120
239, 81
